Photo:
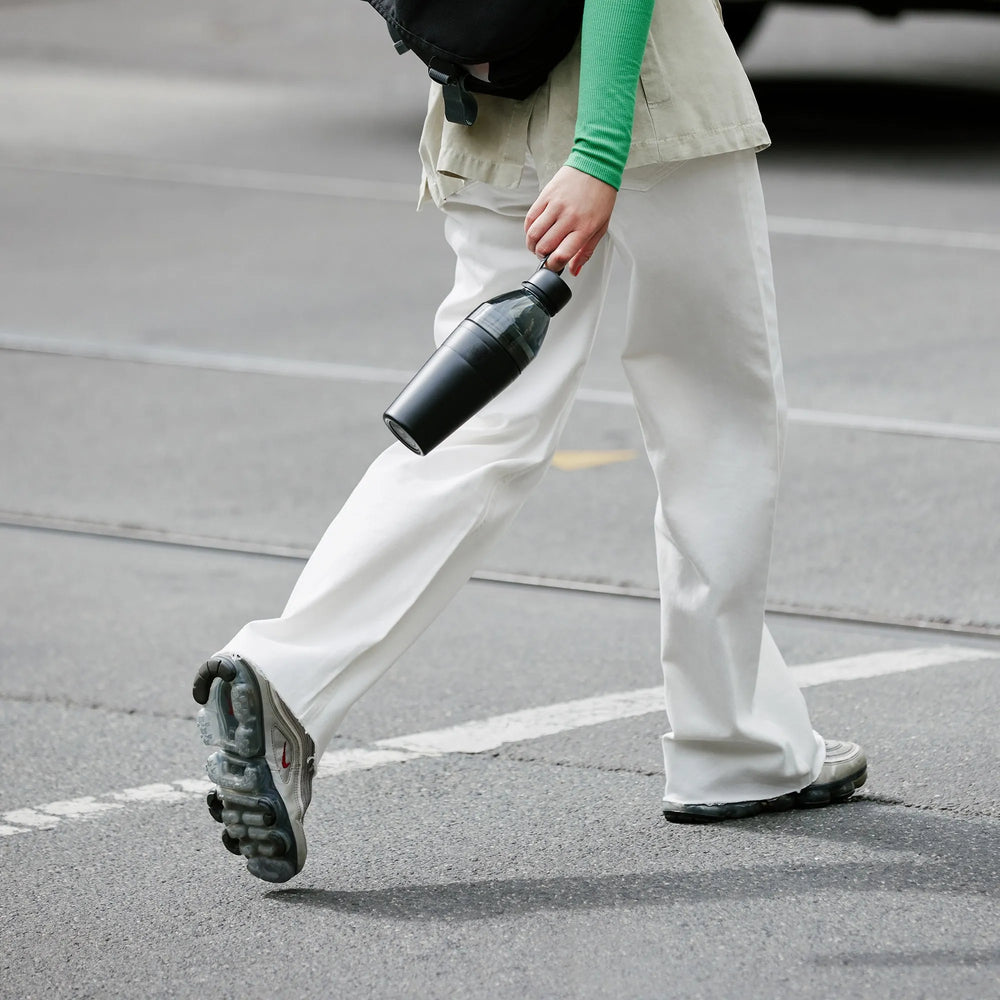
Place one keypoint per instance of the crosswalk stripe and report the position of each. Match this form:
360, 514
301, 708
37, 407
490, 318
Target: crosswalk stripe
482, 735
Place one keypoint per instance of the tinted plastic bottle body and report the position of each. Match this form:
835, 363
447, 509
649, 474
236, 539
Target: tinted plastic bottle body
517, 321
479, 359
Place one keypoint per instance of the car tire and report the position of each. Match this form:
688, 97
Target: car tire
741, 19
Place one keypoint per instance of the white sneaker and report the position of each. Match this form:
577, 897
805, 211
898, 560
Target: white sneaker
263, 767
844, 771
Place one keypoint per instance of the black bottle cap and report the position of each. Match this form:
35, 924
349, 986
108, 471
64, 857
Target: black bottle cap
551, 290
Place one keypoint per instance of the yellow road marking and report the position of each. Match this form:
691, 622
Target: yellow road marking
574, 461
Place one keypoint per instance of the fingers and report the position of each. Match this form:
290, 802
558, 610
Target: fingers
557, 237
574, 251
569, 218
576, 264
534, 212
567, 251
558, 233
545, 229
207, 672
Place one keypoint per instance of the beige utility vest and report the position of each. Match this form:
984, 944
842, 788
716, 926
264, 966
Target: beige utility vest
693, 100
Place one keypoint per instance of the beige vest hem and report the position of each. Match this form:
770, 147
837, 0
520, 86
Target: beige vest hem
693, 100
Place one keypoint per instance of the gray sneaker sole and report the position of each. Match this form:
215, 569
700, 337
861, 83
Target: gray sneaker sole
809, 798
247, 802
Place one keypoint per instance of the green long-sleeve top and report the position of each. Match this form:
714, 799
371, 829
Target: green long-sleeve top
612, 42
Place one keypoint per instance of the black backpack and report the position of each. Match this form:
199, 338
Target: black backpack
520, 40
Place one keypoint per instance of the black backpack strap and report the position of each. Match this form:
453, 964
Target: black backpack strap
397, 39
460, 106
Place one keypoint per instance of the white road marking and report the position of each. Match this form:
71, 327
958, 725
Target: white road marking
88, 805
829, 418
30, 818
53, 814
248, 364
483, 735
160, 792
365, 758
217, 361
897, 425
135, 168
868, 232
139, 168
891, 661
530, 724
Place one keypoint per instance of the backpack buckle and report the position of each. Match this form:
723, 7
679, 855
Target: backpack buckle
460, 107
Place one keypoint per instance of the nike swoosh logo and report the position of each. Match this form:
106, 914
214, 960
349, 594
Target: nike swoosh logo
285, 762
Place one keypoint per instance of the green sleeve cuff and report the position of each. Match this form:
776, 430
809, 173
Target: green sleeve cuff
610, 173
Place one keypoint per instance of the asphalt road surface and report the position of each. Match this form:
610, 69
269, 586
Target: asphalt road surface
212, 280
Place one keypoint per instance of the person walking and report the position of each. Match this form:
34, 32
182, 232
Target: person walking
641, 144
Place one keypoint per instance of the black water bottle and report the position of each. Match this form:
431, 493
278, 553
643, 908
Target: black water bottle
480, 358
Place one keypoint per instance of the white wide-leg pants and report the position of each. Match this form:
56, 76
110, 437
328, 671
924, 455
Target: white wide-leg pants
701, 355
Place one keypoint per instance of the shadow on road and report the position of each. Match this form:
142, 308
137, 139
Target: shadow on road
944, 854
